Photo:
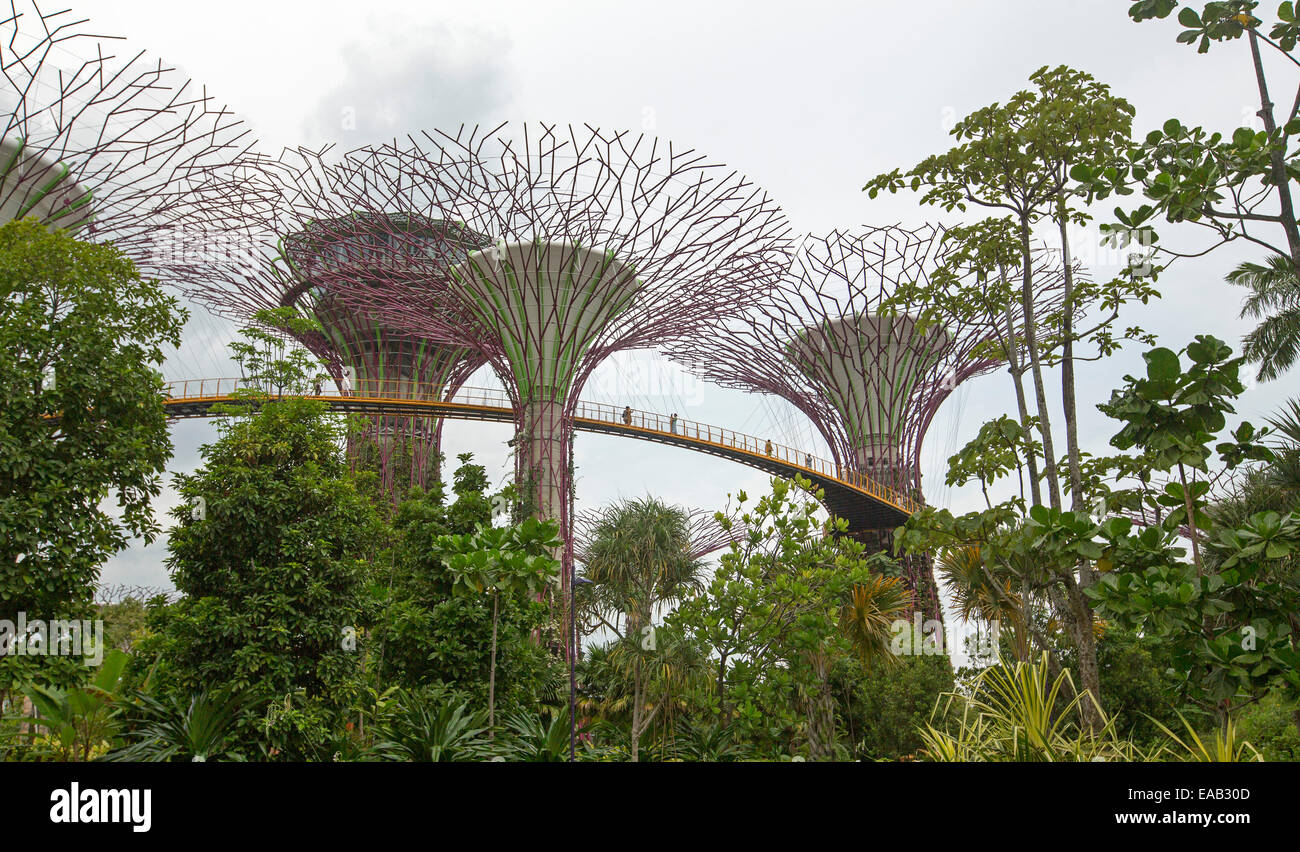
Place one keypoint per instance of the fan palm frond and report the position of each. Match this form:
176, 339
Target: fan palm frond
868, 617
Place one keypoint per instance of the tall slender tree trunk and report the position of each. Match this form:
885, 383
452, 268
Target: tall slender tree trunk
1017, 370
1086, 648
1286, 210
1036, 365
1076, 612
1191, 520
722, 689
1295, 640
1069, 405
492, 670
636, 710
1068, 394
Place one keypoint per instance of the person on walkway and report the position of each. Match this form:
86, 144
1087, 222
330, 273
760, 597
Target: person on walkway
768, 448
627, 415
672, 423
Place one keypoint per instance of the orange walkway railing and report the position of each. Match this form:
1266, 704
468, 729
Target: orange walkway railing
373, 394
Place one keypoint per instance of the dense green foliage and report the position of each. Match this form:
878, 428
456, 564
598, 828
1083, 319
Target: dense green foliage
1142, 605
883, 714
456, 586
273, 573
81, 416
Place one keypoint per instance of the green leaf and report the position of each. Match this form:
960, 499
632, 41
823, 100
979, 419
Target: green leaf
1162, 365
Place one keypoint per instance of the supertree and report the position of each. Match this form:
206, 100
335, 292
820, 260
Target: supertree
596, 243
291, 243
868, 373
100, 144
326, 259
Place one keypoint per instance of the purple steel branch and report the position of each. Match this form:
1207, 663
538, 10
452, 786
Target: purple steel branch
105, 146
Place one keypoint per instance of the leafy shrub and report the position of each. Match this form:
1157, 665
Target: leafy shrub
1270, 727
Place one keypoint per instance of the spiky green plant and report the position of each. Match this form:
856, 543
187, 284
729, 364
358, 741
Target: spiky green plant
1020, 713
424, 731
536, 738
1225, 745
199, 729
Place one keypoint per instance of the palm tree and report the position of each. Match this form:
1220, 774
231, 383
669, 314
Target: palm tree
640, 558
867, 618
981, 594
1271, 487
1275, 296
1285, 469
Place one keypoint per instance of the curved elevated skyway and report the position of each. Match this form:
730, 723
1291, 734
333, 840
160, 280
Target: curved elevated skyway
864, 503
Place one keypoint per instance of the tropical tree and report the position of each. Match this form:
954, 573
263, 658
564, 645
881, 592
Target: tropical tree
81, 414
272, 553
656, 673
271, 363
1026, 159
1275, 297
1228, 616
791, 598
471, 627
640, 558
982, 596
513, 562
1238, 185
1284, 473
1017, 157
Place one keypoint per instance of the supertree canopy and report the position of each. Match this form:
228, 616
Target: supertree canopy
97, 143
869, 374
573, 244
293, 243
370, 359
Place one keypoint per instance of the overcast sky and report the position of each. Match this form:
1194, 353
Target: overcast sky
809, 100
